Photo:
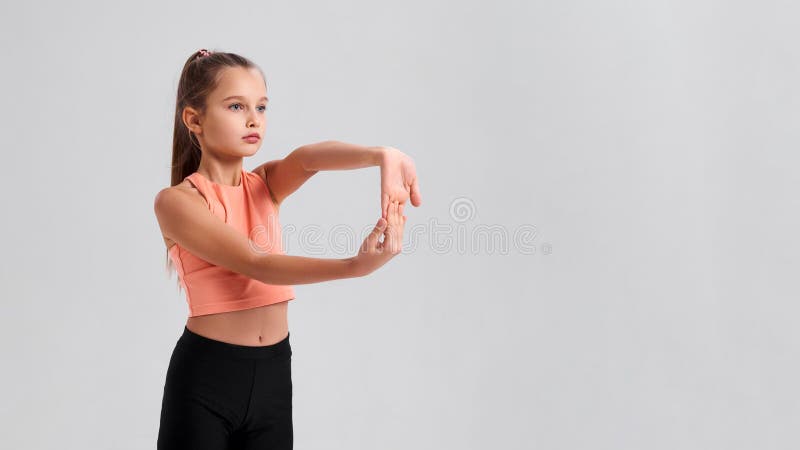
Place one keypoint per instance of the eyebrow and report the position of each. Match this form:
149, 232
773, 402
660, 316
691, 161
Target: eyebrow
240, 97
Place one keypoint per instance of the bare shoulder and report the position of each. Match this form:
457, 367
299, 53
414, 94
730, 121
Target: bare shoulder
167, 199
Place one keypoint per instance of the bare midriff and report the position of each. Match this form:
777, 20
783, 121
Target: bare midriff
264, 325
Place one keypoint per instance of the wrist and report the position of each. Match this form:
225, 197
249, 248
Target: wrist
378, 154
356, 267
352, 269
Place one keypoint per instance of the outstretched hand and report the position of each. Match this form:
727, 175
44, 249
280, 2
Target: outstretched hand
399, 181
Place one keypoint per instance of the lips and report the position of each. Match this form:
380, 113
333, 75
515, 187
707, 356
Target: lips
252, 135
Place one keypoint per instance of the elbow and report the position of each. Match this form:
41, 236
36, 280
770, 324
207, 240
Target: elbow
303, 157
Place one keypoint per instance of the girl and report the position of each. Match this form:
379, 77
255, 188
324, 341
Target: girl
229, 376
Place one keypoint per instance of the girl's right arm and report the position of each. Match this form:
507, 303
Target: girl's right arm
185, 219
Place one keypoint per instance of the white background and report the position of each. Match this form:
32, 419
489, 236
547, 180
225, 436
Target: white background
652, 146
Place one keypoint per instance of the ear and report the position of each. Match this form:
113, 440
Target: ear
191, 118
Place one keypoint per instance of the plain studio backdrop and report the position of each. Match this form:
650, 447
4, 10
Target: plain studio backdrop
605, 256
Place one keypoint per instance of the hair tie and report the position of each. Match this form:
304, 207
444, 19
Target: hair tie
203, 53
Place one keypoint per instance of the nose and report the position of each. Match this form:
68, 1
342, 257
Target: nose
252, 121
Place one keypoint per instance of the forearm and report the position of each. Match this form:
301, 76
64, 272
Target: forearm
337, 155
290, 269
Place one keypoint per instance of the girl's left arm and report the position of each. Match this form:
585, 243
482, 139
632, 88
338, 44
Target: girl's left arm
284, 176
399, 181
336, 155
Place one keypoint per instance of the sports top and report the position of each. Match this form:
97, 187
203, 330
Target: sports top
248, 208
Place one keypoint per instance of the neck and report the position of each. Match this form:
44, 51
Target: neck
228, 174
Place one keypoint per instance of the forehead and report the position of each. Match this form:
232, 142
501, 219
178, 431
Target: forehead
240, 81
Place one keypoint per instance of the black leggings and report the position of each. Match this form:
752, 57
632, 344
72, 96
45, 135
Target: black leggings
226, 396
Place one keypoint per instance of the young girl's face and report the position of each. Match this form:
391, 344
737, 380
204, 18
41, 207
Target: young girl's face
235, 109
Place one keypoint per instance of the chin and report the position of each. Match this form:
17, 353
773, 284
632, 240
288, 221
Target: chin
252, 151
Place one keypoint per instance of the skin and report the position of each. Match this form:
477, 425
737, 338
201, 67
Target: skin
219, 130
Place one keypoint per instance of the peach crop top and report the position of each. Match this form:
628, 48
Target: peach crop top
248, 208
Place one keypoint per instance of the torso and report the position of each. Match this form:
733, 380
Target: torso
265, 325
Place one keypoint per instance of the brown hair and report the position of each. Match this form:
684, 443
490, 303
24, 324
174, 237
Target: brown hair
199, 78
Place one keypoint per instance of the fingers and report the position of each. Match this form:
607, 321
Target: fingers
394, 231
416, 197
391, 227
376, 232
384, 204
389, 230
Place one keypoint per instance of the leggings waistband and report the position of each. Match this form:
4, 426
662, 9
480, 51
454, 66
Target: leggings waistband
241, 351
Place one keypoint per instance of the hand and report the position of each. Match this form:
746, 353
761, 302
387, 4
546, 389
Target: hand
398, 180
373, 253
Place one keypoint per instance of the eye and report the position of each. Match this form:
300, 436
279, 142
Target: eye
235, 104
264, 108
